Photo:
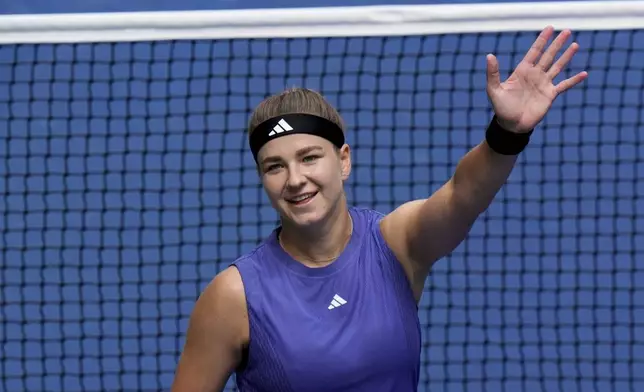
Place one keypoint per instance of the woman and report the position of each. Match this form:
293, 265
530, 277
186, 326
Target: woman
329, 301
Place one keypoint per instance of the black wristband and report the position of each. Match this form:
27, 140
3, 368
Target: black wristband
505, 142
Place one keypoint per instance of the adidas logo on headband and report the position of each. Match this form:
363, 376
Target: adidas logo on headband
282, 126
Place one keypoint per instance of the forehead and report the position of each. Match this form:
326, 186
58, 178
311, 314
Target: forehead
289, 145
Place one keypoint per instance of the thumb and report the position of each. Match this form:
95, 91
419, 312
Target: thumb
493, 75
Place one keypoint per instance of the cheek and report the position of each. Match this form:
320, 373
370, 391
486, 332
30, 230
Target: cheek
329, 176
272, 186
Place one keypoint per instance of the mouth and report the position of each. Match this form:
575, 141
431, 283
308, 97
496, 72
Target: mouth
302, 199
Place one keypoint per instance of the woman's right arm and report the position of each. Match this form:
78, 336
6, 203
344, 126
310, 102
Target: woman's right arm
217, 335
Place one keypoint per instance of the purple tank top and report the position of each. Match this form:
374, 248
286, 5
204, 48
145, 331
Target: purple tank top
350, 326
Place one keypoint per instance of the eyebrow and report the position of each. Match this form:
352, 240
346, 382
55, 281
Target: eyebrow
299, 153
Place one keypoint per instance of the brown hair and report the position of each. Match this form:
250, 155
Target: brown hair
294, 100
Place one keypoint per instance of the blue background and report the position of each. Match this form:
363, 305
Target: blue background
127, 187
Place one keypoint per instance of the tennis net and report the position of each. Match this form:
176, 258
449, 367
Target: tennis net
127, 184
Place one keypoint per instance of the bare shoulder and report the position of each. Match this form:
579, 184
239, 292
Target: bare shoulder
225, 290
217, 335
222, 305
396, 228
397, 225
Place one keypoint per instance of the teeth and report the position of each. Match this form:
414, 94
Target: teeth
303, 197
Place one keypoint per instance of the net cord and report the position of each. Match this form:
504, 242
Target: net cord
320, 22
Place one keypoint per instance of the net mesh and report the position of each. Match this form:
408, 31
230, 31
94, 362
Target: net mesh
127, 185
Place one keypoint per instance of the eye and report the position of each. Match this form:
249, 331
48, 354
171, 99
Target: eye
310, 158
272, 168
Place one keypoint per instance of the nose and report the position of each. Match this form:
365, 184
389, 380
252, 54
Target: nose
296, 179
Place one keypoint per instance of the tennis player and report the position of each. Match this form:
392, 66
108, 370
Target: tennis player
328, 302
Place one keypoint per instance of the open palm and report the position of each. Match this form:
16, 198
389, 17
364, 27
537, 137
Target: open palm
522, 101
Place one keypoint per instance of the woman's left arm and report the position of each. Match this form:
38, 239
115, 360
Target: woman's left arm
423, 231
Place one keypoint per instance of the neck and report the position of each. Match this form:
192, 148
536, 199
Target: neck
322, 244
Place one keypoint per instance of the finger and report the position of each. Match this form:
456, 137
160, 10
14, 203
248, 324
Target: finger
565, 58
571, 82
537, 47
493, 74
549, 56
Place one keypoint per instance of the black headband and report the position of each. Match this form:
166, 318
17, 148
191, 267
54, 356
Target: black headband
289, 124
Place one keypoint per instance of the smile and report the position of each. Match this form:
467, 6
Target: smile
302, 199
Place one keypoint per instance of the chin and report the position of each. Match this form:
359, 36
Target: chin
306, 217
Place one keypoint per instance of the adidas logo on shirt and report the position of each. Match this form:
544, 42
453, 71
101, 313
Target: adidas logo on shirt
282, 126
336, 302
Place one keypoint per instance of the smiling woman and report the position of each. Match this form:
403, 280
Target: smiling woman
328, 302
307, 309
